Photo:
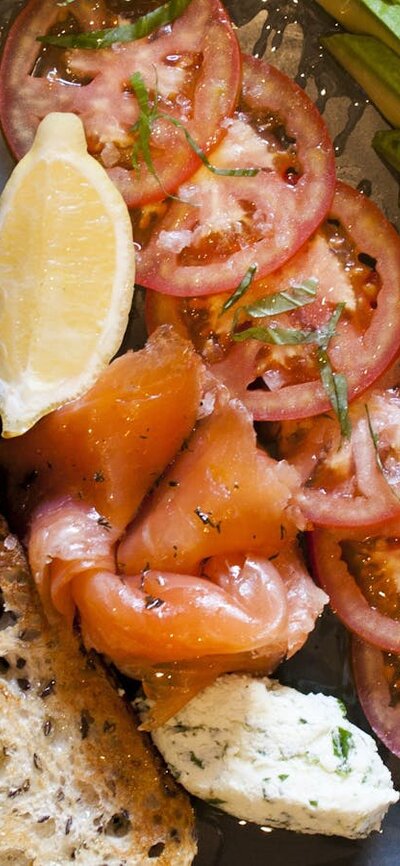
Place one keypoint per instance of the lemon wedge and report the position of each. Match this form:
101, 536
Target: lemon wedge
66, 274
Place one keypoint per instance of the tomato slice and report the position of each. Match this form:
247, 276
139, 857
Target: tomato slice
355, 259
359, 573
205, 243
348, 482
376, 676
192, 65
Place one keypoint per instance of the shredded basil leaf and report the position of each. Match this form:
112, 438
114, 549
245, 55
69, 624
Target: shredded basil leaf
222, 172
342, 742
144, 25
290, 336
283, 302
326, 332
148, 114
335, 385
274, 336
241, 289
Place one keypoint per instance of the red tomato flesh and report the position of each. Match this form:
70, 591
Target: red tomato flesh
205, 243
355, 259
193, 65
376, 676
359, 572
348, 482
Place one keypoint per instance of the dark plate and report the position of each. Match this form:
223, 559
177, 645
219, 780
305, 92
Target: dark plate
287, 33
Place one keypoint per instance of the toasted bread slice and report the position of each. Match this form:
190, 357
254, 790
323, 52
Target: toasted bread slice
78, 782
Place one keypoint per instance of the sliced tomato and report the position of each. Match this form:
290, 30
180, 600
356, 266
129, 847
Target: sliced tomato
348, 482
222, 495
191, 66
359, 571
377, 679
206, 242
109, 447
355, 259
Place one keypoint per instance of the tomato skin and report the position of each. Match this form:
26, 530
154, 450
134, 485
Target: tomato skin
362, 350
346, 599
342, 484
106, 106
374, 693
275, 217
362, 362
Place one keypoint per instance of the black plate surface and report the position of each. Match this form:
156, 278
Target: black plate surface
287, 33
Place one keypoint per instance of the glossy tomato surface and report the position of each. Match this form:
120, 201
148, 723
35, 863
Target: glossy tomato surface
357, 569
289, 35
354, 259
354, 481
222, 225
192, 69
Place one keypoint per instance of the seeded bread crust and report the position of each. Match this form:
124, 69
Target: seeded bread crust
78, 782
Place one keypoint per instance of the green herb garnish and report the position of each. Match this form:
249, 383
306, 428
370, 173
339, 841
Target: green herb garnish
274, 336
241, 289
335, 384
342, 742
282, 302
144, 25
148, 114
196, 761
222, 172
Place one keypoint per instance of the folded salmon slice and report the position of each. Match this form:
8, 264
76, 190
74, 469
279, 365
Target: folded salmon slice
176, 632
109, 447
222, 495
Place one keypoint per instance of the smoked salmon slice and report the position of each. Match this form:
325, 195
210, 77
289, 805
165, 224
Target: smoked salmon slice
109, 447
222, 495
175, 632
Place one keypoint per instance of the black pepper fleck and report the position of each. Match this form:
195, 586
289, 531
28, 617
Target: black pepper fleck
151, 602
24, 684
68, 825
